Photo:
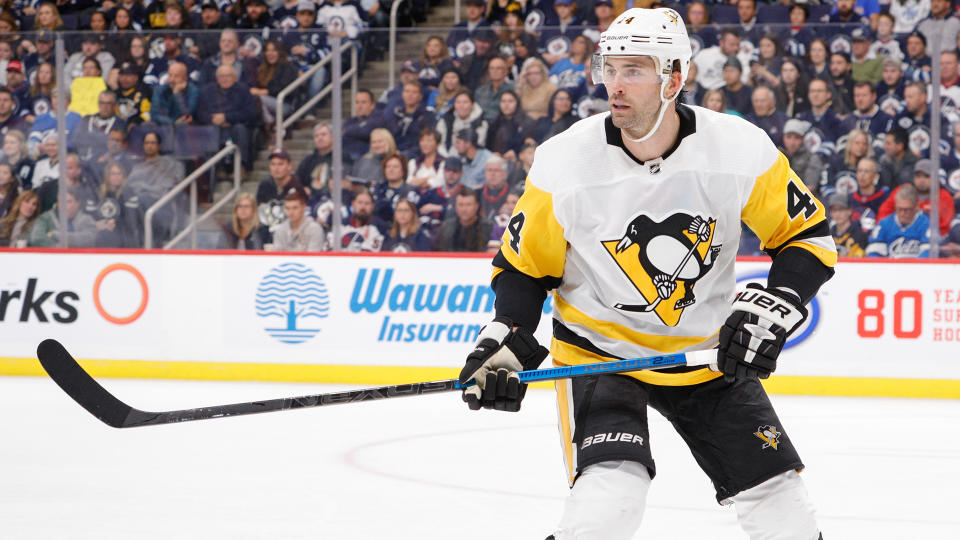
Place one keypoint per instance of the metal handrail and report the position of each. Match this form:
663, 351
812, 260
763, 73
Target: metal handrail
353, 73
393, 39
190, 180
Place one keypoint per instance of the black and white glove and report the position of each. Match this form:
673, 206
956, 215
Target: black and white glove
499, 354
754, 334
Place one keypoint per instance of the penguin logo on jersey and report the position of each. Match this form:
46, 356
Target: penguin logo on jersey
769, 435
664, 260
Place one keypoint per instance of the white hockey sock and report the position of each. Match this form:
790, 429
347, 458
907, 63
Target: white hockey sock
778, 509
606, 502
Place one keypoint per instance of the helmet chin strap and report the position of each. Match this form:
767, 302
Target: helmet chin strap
662, 110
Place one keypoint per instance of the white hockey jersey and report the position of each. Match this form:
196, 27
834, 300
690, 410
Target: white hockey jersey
644, 253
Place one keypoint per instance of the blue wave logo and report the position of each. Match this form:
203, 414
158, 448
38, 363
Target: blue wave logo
287, 296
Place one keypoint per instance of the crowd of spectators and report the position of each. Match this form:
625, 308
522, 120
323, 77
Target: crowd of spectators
438, 161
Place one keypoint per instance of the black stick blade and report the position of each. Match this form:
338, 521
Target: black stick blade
78, 384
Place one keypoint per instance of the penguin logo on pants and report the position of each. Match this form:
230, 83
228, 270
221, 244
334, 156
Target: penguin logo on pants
664, 260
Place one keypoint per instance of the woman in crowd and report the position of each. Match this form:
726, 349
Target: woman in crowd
85, 90
765, 71
273, 75
434, 61
791, 94
800, 35
41, 89
561, 114
716, 101
818, 60
244, 232
137, 54
511, 28
16, 156
405, 234
117, 213
426, 170
15, 226
570, 70
465, 114
394, 187
441, 98
123, 21
535, 89
698, 22
97, 22
842, 171
524, 48
48, 17
9, 189
122, 30
370, 166
511, 128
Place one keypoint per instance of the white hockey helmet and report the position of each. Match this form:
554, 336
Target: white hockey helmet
659, 33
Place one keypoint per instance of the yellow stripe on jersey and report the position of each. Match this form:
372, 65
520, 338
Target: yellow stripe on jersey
619, 332
533, 241
566, 354
780, 207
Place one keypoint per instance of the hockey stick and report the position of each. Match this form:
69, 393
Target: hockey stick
78, 384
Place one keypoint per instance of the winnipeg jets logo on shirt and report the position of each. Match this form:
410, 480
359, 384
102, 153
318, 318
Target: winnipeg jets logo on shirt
664, 260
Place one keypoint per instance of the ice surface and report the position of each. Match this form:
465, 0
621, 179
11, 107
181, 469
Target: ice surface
426, 468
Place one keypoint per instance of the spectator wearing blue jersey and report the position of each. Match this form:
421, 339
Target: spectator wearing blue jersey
905, 233
824, 123
406, 120
917, 64
570, 71
890, 88
764, 114
747, 24
702, 32
460, 40
800, 35
307, 44
867, 115
555, 39
156, 73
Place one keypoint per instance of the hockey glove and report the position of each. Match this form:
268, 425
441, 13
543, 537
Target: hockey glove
499, 354
754, 334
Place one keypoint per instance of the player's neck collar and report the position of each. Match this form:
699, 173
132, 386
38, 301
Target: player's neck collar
688, 126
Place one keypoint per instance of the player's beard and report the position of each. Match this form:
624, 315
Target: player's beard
638, 119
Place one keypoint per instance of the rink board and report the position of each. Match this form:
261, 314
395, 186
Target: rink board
877, 328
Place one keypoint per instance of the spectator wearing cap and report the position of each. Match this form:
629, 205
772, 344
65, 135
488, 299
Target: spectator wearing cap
81, 230
473, 66
175, 102
393, 188
357, 129
425, 170
896, 166
156, 73
307, 44
474, 158
823, 121
488, 94
92, 47
41, 50
271, 190
941, 22
903, 234
90, 139
907, 14
465, 115
885, 44
17, 84
228, 105
316, 169
737, 94
556, 38
712, 60
298, 232
866, 67
842, 82
808, 166
847, 233
362, 231
865, 201
341, 18
256, 15
764, 114
133, 97
437, 203
407, 120
229, 55
393, 97
467, 230
917, 64
923, 174
460, 39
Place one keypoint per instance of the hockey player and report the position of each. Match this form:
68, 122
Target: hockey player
633, 218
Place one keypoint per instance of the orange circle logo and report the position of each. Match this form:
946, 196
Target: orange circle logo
144, 293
